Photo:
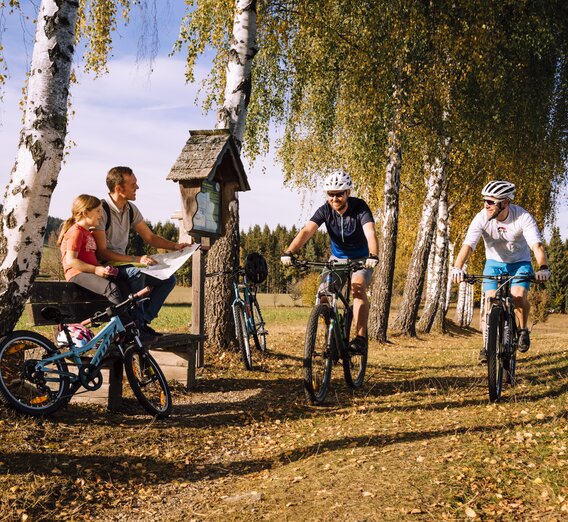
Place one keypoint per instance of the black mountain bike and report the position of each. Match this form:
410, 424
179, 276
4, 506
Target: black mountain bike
329, 330
502, 333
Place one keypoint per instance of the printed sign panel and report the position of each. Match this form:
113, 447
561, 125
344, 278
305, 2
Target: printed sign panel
207, 218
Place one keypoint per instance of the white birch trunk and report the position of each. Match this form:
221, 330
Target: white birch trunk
451, 248
39, 156
381, 291
438, 272
224, 255
465, 303
469, 305
239, 71
408, 311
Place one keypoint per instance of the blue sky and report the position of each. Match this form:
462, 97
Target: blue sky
139, 115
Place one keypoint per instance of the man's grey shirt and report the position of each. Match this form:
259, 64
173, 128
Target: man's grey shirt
117, 233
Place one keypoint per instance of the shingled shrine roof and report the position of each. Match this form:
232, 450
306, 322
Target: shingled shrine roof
209, 155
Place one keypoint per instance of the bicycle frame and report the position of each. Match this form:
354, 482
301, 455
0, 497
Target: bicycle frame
104, 339
504, 299
340, 323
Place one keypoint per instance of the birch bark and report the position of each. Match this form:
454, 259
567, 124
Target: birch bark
408, 311
438, 272
381, 291
39, 156
224, 255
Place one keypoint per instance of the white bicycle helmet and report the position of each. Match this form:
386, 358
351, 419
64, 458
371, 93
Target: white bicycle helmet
499, 190
337, 181
80, 335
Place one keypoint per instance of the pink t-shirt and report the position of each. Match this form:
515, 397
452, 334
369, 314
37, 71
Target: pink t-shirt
80, 240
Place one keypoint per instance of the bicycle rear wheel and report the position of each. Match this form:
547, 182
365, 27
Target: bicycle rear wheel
354, 364
24, 388
242, 334
317, 354
494, 353
260, 332
148, 382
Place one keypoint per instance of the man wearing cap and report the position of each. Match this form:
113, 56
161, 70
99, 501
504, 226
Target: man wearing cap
509, 233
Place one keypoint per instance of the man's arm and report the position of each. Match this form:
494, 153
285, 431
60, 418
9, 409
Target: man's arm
463, 256
105, 254
302, 237
371, 235
540, 254
156, 241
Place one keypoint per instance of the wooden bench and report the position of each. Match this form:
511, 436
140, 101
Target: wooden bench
81, 304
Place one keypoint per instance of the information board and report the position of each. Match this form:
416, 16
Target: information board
207, 218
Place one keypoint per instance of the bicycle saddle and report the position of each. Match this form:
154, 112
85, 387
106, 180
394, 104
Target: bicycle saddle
52, 313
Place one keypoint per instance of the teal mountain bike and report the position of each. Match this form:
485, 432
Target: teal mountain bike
249, 323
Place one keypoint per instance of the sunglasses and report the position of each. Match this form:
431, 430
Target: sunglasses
490, 202
336, 194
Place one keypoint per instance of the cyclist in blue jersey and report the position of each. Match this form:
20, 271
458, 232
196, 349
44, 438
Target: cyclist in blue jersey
351, 228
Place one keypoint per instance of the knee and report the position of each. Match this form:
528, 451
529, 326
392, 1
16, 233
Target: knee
359, 291
113, 294
521, 301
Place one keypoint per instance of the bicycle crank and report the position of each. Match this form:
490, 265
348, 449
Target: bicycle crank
90, 377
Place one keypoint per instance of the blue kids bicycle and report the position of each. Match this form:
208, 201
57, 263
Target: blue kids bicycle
34, 373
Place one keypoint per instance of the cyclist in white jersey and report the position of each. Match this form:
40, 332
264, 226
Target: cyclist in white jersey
509, 233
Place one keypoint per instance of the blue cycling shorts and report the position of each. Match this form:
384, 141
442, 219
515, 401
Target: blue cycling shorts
523, 268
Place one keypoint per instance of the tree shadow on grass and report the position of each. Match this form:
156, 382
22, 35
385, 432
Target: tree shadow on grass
124, 470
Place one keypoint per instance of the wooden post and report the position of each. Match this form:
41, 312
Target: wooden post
115, 384
198, 298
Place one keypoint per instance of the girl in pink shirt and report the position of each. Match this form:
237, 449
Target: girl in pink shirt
78, 250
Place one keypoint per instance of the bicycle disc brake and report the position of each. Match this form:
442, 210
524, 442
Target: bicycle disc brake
90, 377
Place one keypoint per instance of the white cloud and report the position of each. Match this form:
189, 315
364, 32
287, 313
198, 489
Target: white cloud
130, 118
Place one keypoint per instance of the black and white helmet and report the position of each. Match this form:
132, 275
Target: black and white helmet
499, 190
337, 181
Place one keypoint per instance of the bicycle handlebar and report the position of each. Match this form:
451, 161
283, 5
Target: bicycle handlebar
472, 278
112, 311
332, 264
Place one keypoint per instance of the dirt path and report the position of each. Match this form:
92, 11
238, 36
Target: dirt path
419, 442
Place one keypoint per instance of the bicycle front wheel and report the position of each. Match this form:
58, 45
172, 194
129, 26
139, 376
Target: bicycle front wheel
260, 332
318, 354
354, 364
242, 334
494, 353
148, 382
22, 386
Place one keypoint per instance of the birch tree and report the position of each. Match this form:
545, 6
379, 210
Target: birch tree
224, 254
39, 156
381, 288
437, 273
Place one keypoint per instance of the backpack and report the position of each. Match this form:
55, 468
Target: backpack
107, 212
